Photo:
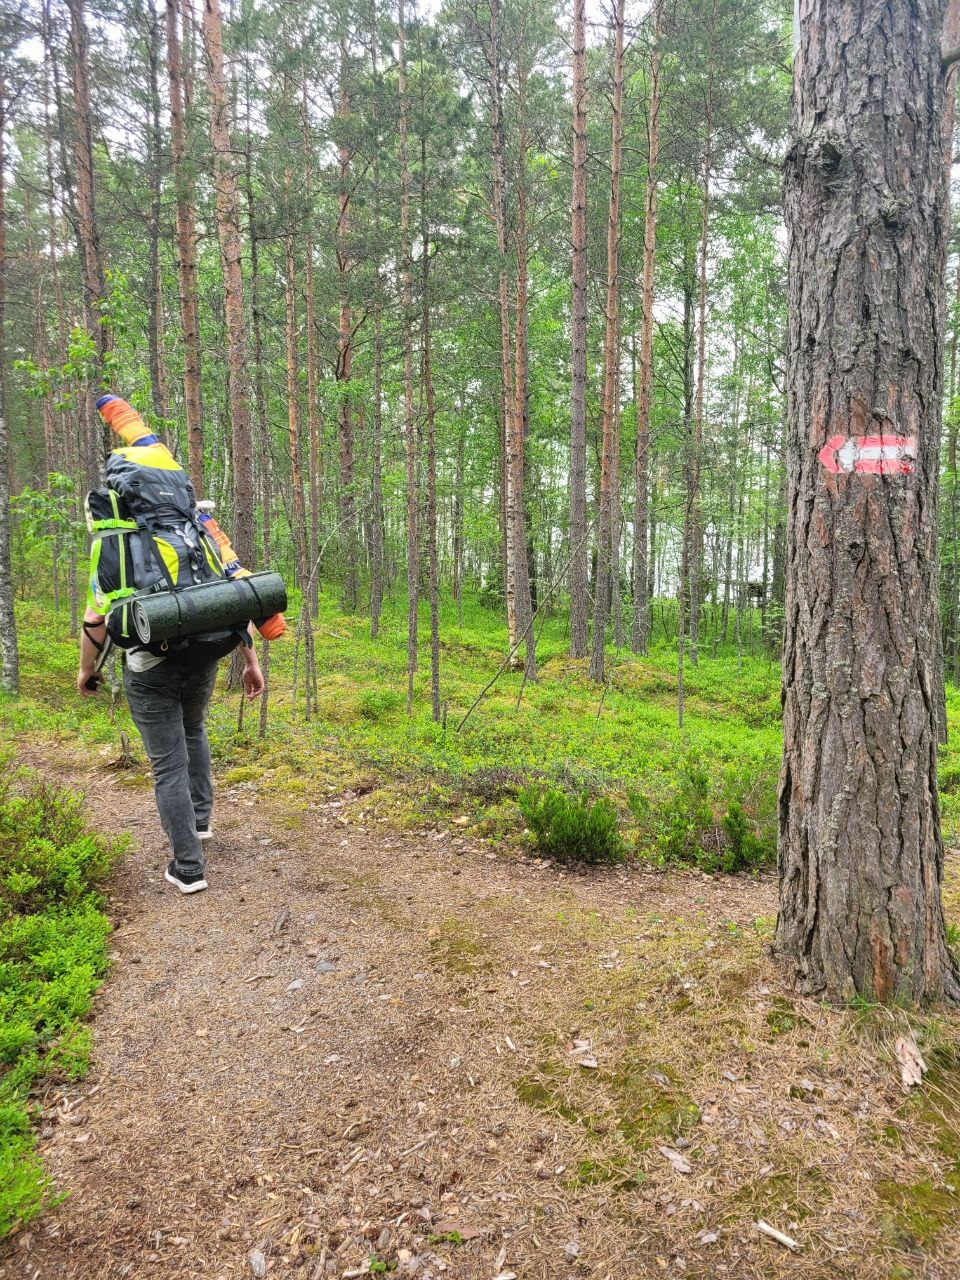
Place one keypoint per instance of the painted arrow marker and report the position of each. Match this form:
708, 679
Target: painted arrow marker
870, 455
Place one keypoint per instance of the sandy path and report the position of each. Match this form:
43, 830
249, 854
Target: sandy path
317, 1061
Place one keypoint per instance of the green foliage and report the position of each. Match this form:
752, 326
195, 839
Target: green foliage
708, 825
53, 952
377, 704
571, 829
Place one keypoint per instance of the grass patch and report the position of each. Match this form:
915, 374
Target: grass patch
53, 953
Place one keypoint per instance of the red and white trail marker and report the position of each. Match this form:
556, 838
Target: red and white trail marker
870, 455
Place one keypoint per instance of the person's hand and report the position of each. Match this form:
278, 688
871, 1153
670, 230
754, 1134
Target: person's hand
253, 680
84, 675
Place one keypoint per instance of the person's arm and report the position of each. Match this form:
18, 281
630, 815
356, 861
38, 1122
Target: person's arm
92, 638
252, 675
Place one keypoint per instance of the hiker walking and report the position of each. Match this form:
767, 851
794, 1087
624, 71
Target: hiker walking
150, 537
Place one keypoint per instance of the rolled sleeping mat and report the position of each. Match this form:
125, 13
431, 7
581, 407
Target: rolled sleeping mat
209, 606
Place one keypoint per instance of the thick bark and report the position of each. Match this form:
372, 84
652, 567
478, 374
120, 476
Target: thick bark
861, 853
228, 227
579, 585
186, 248
9, 657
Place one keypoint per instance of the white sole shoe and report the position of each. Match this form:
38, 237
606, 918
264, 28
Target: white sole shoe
185, 886
205, 834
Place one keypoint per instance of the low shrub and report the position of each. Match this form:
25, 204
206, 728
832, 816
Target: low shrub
376, 704
572, 829
720, 822
53, 952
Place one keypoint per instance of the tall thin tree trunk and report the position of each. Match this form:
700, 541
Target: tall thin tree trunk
611, 355
683, 586
9, 654
579, 586
410, 429
517, 508
433, 568
299, 522
256, 315
640, 629
186, 246
503, 300
458, 567
861, 850
348, 513
228, 228
376, 462
88, 232
314, 429
694, 534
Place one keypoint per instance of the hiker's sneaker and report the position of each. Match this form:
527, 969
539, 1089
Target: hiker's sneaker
205, 833
184, 882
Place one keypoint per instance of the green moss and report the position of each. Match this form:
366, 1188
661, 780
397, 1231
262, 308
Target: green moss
457, 949
917, 1212
617, 1174
648, 1109
783, 1017
629, 1106
791, 1194
541, 1089
243, 773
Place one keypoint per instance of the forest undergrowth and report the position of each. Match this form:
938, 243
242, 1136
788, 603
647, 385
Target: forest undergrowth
704, 794
664, 797
53, 954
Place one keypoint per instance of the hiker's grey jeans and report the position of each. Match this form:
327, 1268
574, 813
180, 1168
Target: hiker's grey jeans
168, 706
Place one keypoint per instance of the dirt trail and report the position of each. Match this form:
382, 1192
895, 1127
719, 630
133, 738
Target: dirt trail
322, 1059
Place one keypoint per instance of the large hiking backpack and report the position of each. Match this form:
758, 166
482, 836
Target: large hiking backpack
148, 536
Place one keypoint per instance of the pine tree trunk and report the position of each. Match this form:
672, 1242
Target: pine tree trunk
376, 512
228, 228
350, 587
521, 557
153, 149
256, 315
299, 522
861, 852
88, 233
410, 429
683, 585
611, 356
9, 656
433, 567
186, 246
579, 587
509, 433
640, 629
314, 428
458, 495
694, 536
